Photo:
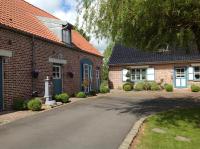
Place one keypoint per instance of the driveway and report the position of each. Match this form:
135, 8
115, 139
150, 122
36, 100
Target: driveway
100, 123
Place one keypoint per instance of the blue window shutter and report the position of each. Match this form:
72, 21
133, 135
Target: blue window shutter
190, 73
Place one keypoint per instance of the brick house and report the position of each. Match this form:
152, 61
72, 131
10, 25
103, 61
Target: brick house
178, 67
35, 44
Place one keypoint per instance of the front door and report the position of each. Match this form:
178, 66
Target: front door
1, 84
97, 80
87, 78
57, 79
180, 77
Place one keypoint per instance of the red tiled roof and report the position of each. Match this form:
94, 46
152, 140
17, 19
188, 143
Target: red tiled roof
21, 15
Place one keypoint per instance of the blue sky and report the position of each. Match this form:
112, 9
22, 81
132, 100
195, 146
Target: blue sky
66, 10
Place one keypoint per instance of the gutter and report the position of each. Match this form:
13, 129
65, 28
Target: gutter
154, 63
33, 63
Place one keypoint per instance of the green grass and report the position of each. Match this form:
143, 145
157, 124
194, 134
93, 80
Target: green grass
181, 122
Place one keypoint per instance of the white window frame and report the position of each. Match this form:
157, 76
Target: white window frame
58, 74
134, 76
196, 73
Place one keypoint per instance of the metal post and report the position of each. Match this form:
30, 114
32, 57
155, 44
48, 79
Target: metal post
47, 94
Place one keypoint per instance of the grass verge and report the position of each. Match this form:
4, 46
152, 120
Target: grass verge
178, 122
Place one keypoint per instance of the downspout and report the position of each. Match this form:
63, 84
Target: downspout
33, 63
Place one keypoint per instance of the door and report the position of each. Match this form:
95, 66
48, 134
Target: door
57, 79
1, 84
97, 80
86, 78
180, 77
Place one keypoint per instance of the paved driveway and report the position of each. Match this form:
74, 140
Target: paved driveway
100, 123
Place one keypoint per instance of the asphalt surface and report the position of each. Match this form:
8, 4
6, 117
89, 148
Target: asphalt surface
100, 123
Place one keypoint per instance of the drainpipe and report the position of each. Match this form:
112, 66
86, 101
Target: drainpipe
33, 62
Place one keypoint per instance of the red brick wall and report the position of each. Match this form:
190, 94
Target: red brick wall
17, 69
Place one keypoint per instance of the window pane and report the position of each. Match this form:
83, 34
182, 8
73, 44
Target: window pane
197, 76
197, 69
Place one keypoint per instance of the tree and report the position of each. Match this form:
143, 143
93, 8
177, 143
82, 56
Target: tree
83, 33
107, 53
144, 24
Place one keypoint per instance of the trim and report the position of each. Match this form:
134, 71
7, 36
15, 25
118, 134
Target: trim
195, 65
139, 67
57, 61
6, 53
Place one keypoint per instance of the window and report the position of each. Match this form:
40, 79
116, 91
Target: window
56, 72
196, 73
66, 36
138, 74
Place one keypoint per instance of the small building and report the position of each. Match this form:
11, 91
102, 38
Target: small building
35, 44
178, 67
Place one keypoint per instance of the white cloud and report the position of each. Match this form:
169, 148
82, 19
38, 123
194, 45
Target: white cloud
57, 8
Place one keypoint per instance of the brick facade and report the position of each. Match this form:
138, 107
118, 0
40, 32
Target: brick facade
18, 81
162, 71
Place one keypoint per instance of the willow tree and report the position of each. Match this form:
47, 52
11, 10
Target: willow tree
146, 24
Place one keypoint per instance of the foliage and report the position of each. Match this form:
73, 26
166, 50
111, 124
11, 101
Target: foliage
139, 86
154, 86
64, 98
169, 88
144, 24
35, 104
81, 95
20, 104
178, 122
104, 89
83, 33
147, 85
128, 87
195, 88
107, 53
129, 84
93, 93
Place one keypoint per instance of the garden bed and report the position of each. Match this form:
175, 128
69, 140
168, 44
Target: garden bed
175, 129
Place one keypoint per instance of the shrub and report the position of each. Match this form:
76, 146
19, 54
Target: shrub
20, 104
169, 88
139, 86
81, 95
147, 85
195, 88
64, 98
128, 87
128, 83
35, 104
104, 83
92, 93
104, 89
154, 86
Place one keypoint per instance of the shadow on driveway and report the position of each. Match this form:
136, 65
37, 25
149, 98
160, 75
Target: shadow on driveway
144, 107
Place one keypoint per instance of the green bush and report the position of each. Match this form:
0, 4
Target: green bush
104, 83
35, 104
128, 87
128, 83
139, 86
93, 93
81, 95
147, 85
169, 88
104, 89
195, 88
64, 98
20, 104
154, 86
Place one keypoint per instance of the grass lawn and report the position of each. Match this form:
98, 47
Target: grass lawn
179, 122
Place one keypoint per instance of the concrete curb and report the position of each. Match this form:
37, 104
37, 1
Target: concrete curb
132, 134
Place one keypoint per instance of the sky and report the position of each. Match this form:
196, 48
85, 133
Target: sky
66, 10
